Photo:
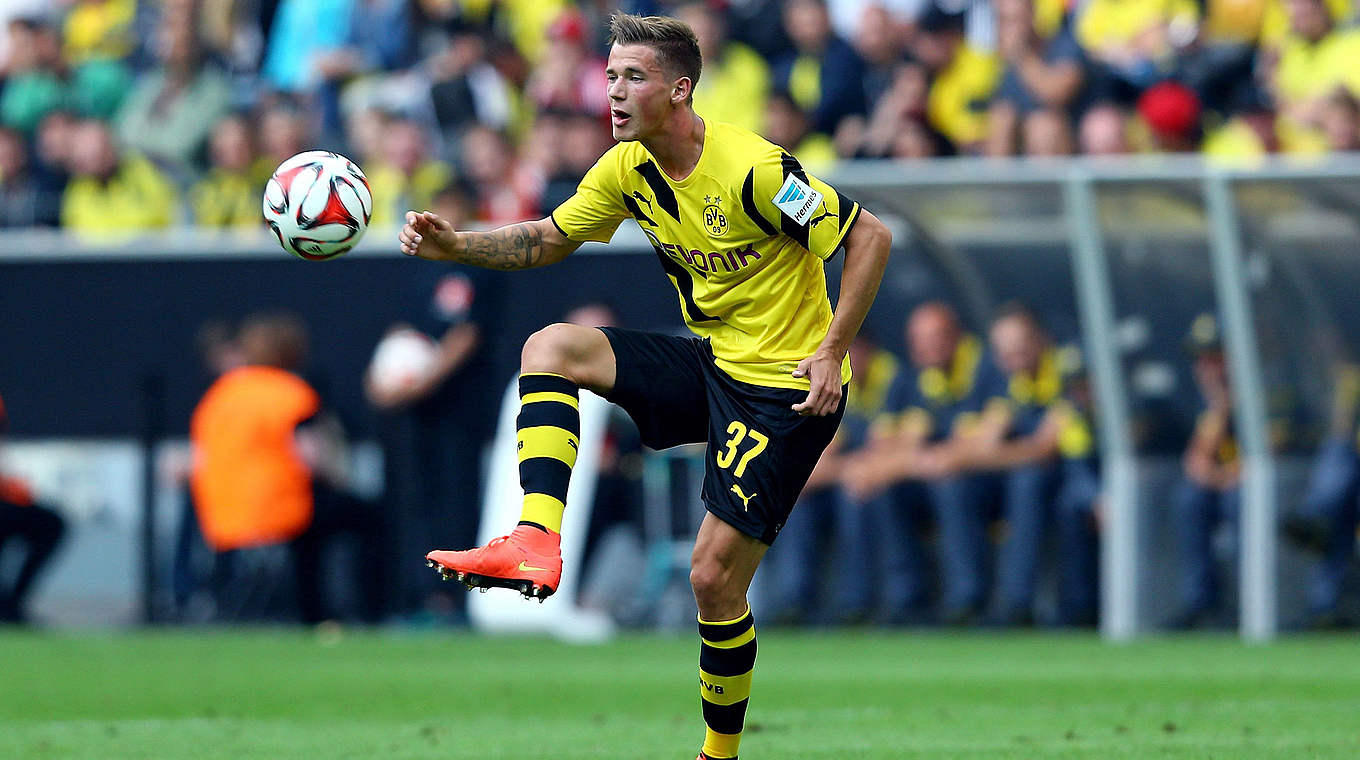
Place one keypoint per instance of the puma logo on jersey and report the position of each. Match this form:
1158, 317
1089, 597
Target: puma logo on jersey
745, 500
644, 199
824, 215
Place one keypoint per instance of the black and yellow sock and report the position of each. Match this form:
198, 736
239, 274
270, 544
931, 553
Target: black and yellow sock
727, 657
549, 431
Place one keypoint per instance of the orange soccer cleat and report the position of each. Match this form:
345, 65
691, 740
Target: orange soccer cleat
528, 560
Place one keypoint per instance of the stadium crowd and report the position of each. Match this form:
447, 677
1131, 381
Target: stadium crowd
112, 112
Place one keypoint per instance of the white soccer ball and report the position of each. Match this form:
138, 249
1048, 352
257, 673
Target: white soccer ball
402, 359
318, 204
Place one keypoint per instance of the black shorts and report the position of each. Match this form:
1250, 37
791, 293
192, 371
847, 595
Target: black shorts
760, 451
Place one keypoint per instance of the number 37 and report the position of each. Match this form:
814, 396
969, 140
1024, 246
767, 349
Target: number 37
739, 434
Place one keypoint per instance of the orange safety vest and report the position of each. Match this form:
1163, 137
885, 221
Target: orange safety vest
250, 484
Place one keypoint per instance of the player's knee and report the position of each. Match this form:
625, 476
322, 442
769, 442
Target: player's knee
710, 579
561, 348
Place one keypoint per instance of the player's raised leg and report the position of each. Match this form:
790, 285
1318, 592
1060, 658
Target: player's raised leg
722, 566
556, 362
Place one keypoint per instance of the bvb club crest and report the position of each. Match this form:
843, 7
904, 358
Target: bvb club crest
714, 221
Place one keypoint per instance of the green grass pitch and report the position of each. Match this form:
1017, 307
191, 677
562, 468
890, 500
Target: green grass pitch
277, 694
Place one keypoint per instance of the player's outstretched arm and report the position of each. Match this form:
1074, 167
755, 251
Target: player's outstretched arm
866, 255
515, 246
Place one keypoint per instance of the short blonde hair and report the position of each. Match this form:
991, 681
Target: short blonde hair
674, 42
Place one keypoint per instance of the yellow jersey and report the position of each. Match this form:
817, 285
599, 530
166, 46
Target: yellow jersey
743, 238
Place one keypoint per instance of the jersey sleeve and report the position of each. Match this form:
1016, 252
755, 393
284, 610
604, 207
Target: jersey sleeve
785, 199
596, 209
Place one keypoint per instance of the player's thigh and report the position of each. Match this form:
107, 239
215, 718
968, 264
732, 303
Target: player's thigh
581, 354
760, 455
659, 381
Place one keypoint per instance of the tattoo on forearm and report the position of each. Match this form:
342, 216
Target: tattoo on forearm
515, 246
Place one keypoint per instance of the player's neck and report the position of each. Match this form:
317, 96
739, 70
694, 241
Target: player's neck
678, 145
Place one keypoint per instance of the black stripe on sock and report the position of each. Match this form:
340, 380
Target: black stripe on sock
542, 383
550, 413
545, 475
728, 662
532, 524
725, 631
725, 719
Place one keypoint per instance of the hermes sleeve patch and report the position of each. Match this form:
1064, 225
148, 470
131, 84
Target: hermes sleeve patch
797, 200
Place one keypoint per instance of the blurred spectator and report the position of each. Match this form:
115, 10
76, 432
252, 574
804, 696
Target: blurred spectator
171, 110
1079, 501
1209, 493
897, 127
53, 148
466, 88
1340, 121
963, 79
228, 196
1018, 437
406, 177
580, 141
881, 43
1132, 43
825, 523
1316, 59
284, 132
99, 30
433, 428
1171, 112
35, 84
37, 527
304, 32
896, 17
735, 80
570, 77
787, 127
269, 469
1104, 131
379, 39
112, 193
927, 413
1326, 521
823, 74
24, 201
504, 195
1032, 110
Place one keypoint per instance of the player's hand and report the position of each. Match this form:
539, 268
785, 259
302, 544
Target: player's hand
824, 373
426, 235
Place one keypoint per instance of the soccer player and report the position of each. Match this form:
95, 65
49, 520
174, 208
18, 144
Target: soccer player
742, 231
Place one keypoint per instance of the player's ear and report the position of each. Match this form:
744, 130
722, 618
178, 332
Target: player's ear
683, 88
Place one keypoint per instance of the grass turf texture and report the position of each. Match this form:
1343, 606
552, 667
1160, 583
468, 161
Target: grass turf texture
266, 694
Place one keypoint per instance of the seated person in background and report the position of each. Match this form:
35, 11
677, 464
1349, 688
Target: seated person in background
270, 468
963, 79
1031, 113
228, 196
825, 524
1326, 520
736, 80
927, 410
1209, 492
111, 192
823, 73
1079, 501
39, 528
787, 127
1018, 437
1316, 59
406, 175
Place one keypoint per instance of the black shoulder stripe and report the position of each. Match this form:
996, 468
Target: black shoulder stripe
799, 232
843, 204
636, 210
559, 227
748, 204
665, 196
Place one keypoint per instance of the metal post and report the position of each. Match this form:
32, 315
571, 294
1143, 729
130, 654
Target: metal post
1258, 553
1095, 300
